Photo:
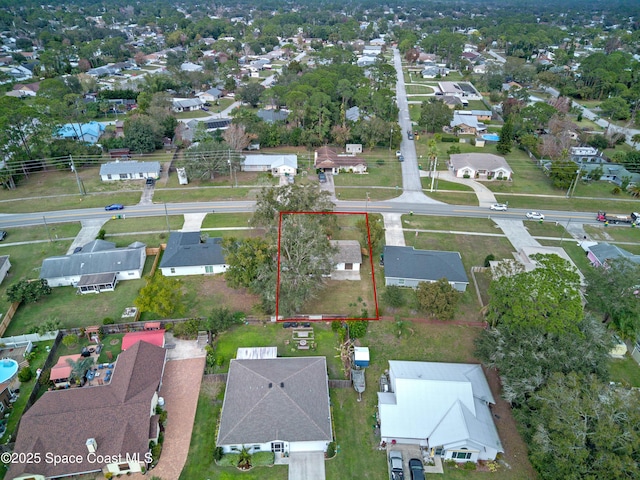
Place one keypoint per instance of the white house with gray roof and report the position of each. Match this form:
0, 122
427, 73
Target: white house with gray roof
278, 405
192, 253
129, 170
96, 261
277, 165
407, 267
443, 407
346, 260
485, 166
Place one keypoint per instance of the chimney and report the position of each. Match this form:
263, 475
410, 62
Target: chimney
92, 446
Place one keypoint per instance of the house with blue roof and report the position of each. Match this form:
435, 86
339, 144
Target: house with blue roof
83, 132
192, 253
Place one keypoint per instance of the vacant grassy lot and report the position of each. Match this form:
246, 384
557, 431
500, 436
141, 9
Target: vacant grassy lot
454, 198
204, 194
414, 88
573, 204
360, 193
613, 233
445, 185
226, 220
145, 224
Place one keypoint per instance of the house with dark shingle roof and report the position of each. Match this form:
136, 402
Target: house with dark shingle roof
599, 253
407, 267
101, 261
192, 253
276, 405
273, 116
105, 428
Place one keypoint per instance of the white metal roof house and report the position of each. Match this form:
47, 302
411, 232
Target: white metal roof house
407, 267
485, 166
96, 258
278, 165
279, 405
129, 170
191, 253
444, 407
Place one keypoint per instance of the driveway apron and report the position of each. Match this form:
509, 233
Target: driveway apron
306, 466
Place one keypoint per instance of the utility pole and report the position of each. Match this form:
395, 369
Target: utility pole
47, 227
166, 216
366, 208
229, 162
433, 174
74, 170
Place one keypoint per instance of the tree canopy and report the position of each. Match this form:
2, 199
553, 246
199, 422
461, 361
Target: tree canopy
161, 295
546, 298
614, 290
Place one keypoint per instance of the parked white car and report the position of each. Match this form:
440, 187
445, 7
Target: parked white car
535, 216
501, 207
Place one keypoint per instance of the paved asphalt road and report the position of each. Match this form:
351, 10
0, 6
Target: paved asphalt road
154, 210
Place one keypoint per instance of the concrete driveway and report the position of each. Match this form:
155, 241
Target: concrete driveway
306, 466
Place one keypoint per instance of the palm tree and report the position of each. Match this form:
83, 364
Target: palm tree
635, 139
634, 191
79, 367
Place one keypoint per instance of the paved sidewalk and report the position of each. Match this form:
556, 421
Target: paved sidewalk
193, 222
516, 232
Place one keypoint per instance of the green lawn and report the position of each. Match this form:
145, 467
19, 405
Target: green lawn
145, 224
568, 204
454, 198
28, 205
422, 222
615, 233
361, 193
192, 114
226, 220
625, 370
445, 185
73, 310
204, 194
387, 174
42, 232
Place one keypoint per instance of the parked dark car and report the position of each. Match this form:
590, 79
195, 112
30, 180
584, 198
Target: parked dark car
401, 158
77, 249
410, 135
417, 469
322, 177
114, 206
289, 324
151, 181
3, 235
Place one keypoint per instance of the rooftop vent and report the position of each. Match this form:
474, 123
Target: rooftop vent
270, 384
281, 384
92, 445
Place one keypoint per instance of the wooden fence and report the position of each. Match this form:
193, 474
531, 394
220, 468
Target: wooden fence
7, 317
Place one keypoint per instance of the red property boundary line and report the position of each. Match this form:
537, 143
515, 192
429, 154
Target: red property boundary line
327, 317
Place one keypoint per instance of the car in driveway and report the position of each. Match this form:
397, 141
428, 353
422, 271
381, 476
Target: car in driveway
416, 468
114, 206
401, 158
398, 153
395, 464
322, 178
501, 207
535, 216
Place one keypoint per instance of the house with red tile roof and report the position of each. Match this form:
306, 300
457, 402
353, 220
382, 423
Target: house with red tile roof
330, 161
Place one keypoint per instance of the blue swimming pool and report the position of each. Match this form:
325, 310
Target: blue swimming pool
491, 137
8, 369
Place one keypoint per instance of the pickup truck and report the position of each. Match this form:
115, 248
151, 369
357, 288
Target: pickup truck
395, 463
633, 219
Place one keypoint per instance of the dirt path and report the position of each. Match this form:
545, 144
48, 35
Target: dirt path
515, 449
